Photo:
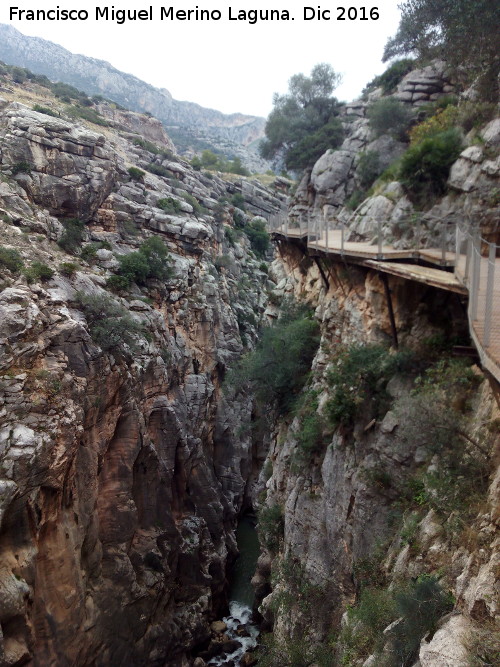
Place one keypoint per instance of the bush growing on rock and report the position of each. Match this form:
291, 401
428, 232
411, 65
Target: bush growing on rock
91, 115
278, 367
68, 268
152, 260
72, 236
389, 116
358, 373
22, 167
45, 110
169, 205
110, 325
425, 166
415, 605
136, 174
197, 207
389, 79
10, 259
158, 169
258, 236
368, 168
270, 527
311, 147
38, 271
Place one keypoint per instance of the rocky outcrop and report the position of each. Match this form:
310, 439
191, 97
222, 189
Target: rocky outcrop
425, 85
123, 468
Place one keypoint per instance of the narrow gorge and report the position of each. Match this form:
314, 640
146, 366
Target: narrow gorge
167, 374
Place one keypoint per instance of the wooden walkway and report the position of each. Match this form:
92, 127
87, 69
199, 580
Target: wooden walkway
473, 274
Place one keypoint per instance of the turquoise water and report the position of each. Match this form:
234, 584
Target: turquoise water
241, 596
244, 568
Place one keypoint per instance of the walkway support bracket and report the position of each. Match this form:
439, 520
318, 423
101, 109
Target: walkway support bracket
323, 274
388, 297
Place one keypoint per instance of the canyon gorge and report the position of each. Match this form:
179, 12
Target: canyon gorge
135, 297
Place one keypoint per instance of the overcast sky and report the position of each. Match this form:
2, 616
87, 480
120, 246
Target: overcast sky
227, 65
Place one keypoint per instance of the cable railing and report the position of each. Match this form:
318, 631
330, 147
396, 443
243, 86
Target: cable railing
475, 260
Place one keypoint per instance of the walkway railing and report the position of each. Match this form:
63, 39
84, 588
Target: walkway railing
475, 262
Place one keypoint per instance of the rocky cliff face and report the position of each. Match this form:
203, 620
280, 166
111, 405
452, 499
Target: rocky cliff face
228, 131
370, 508
122, 468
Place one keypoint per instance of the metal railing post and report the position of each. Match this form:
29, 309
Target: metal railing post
443, 245
379, 239
488, 309
476, 276
326, 234
342, 237
468, 255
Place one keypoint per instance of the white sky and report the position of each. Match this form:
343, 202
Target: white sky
226, 65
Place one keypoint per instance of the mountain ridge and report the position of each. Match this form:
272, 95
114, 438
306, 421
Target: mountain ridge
96, 76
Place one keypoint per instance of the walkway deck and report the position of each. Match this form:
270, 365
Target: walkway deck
474, 274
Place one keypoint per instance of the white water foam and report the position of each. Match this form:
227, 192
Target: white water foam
239, 614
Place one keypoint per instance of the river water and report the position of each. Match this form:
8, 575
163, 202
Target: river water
239, 621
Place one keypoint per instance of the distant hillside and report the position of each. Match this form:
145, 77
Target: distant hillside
192, 125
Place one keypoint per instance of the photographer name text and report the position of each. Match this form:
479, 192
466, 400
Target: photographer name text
251, 16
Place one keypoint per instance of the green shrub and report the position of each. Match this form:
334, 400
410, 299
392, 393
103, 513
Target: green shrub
278, 367
10, 259
435, 418
392, 76
311, 147
118, 283
197, 207
443, 119
425, 166
310, 433
72, 236
22, 167
158, 258
46, 110
389, 116
147, 145
152, 260
89, 251
38, 271
258, 237
270, 527
84, 112
368, 168
420, 604
238, 200
110, 325
169, 205
223, 262
136, 174
232, 235
68, 268
359, 373
472, 115
158, 169
239, 220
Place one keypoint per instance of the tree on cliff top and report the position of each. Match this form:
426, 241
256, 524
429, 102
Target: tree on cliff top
462, 32
304, 123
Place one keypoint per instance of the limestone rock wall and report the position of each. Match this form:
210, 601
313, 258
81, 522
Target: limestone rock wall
337, 505
122, 471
